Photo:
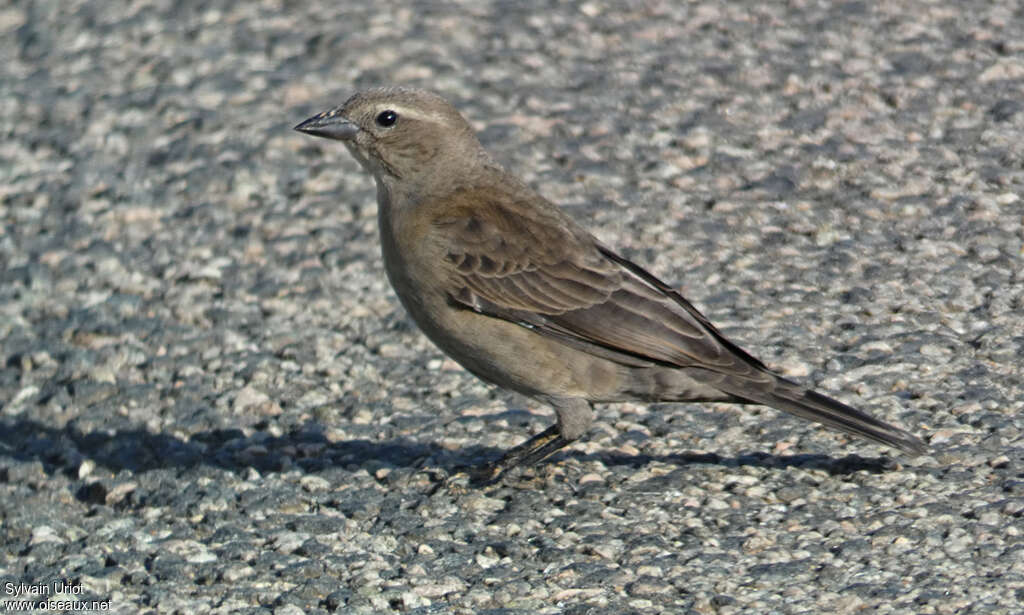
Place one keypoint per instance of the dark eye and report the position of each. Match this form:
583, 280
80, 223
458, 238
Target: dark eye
387, 118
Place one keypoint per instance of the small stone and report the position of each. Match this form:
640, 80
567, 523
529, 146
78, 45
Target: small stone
86, 468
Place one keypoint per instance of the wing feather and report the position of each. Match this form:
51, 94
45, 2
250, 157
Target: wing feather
587, 297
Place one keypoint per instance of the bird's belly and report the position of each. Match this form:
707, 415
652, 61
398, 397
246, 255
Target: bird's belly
512, 356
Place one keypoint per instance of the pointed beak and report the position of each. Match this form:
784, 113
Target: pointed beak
329, 125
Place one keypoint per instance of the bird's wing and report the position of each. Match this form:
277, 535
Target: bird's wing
556, 279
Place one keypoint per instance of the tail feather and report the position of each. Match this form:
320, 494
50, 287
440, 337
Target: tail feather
692, 385
831, 413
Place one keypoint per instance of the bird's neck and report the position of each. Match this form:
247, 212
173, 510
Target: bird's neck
433, 183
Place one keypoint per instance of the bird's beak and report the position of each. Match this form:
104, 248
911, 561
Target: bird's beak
329, 125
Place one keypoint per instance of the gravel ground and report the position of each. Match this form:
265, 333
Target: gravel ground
211, 401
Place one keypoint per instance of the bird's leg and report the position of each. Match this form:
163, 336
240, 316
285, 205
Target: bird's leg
575, 416
533, 451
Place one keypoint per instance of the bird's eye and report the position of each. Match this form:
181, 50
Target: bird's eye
387, 118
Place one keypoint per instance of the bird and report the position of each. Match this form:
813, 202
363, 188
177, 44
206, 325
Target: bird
519, 294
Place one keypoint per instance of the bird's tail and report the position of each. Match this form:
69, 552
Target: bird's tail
813, 406
768, 389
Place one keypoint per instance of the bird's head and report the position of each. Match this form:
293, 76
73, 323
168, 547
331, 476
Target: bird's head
401, 134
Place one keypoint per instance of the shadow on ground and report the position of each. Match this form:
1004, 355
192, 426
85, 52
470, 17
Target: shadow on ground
64, 450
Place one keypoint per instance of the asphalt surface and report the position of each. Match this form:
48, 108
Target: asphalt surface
211, 401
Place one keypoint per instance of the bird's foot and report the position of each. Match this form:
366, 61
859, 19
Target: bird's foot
489, 475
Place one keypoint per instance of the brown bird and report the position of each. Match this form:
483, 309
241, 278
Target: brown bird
522, 296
